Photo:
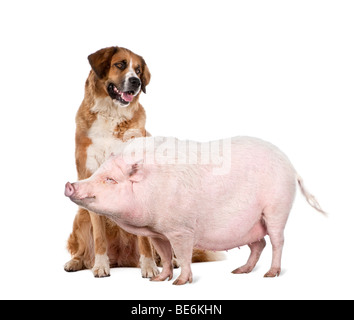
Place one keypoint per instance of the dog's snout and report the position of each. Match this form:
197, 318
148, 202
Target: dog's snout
134, 81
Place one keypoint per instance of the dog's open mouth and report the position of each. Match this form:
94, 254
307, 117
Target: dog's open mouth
123, 97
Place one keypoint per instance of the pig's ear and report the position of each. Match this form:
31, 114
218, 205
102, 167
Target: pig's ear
135, 171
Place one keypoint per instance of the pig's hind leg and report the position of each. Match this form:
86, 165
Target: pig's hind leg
275, 220
256, 250
164, 249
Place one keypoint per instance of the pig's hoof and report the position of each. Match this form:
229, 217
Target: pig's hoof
179, 282
73, 265
272, 273
183, 280
243, 269
161, 277
148, 267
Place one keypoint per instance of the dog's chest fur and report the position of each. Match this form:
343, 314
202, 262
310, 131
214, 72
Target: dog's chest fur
104, 131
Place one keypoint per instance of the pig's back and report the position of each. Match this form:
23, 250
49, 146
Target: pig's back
259, 156
262, 168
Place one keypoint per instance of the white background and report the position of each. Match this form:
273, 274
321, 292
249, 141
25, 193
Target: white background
279, 70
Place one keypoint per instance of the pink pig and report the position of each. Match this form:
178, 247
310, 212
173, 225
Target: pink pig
172, 191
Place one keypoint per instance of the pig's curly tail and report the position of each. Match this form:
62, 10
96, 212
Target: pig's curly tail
309, 197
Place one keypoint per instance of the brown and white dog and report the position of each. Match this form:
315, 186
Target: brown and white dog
110, 113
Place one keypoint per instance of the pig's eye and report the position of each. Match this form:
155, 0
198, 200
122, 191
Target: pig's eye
110, 180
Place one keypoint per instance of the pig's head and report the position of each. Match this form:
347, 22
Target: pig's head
109, 191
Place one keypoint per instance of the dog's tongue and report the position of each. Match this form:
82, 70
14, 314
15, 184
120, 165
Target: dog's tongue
127, 97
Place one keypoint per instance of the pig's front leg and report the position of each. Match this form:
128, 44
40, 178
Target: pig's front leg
164, 249
183, 248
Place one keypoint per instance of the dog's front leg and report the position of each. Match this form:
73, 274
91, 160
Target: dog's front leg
147, 261
101, 266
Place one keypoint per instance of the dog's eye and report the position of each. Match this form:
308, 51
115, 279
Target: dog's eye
137, 70
120, 65
110, 180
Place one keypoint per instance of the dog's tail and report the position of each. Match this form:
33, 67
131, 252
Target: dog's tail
309, 197
205, 255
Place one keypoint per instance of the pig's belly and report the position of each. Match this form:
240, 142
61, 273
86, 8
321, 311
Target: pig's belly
139, 231
230, 237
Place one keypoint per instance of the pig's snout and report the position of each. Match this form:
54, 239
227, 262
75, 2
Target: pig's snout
69, 189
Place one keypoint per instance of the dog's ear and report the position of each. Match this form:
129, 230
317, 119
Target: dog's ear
100, 61
145, 77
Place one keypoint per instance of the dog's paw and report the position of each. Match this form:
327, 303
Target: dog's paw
175, 263
101, 267
73, 265
148, 267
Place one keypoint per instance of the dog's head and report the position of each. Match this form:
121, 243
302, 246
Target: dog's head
123, 73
